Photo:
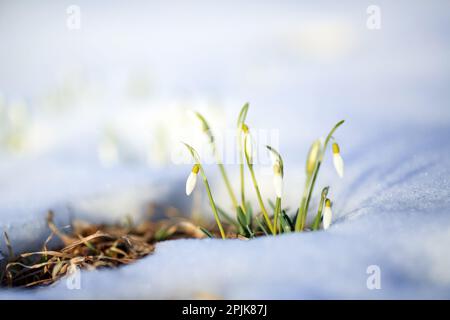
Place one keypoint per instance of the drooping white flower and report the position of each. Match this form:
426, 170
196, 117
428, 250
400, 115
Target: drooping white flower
278, 182
277, 163
337, 160
327, 214
192, 179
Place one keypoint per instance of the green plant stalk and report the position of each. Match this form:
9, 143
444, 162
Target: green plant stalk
299, 218
276, 215
212, 203
227, 217
316, 222
241, 170
228, 184
241, 119
303, 211
308, 199
261, 203
309, 188
261, 226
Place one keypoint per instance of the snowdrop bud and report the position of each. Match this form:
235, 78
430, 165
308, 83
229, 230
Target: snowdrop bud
278, 180
327, 214
337, 160
192, 179
313, 155
248, 146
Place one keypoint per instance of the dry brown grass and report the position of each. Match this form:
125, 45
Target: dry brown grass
91, 246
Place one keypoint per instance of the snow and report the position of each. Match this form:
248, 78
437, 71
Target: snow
391, 209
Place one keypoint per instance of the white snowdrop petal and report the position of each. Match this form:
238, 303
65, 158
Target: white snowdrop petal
338, 164
191, 182
273, 158
327, 216
278, 184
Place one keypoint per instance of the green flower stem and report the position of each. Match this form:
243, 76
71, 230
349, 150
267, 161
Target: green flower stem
241, 170
316, 222
305, 203
212, 203
261, 203
298, 222
240, 121
228, 184
276, 215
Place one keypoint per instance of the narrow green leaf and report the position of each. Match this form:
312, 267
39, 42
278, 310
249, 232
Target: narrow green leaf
288, 219
286, 224
261, 226
241, 217
227, 217
271, 204
242, 115
209, 234
249, 214
250, 232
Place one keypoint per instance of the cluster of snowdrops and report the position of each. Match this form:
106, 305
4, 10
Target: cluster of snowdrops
279, 221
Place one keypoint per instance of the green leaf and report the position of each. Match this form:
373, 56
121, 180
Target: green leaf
250, 232
242, 219
271, 204
205, 126
209, 234
194, 153
249, 214
286, 224
288, 219
261, 226
227, 217
242, 115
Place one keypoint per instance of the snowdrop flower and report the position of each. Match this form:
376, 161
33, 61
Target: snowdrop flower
327, 214
278, 180
192, 179
313, 155
337, 160
277, 170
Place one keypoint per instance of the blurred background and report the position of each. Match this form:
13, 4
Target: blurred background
95, 94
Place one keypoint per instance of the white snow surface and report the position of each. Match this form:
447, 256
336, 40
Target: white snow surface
389, 213
391, 209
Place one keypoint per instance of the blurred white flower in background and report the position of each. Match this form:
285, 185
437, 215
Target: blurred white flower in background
14, 123
324, 40
107, 150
